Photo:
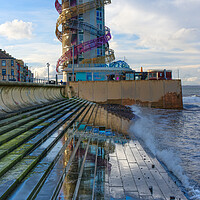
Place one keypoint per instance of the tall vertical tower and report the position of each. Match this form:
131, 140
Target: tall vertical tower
81, 25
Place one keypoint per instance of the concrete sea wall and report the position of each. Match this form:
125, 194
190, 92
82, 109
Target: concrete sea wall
102, 118
16, 96
151, 93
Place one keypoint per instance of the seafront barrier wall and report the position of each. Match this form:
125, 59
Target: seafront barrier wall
109, 120
17, 96
165, 94
157, 94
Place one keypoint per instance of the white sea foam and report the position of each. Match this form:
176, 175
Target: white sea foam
143, 129
191, 99
194, 193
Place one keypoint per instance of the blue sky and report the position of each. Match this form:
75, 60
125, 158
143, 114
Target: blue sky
158, 34
27, 31
155, 34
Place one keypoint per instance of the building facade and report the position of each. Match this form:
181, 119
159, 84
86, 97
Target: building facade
159, 74
8, 67
98, 72
12, 69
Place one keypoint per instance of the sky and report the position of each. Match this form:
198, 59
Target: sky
153, 34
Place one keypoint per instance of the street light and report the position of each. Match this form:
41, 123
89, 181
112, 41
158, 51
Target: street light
7, 76
48, 71
73, 63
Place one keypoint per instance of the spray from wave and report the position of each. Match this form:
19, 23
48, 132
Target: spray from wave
191, 102
143, 129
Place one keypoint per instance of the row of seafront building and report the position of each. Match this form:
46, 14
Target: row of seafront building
12, 69
115, 71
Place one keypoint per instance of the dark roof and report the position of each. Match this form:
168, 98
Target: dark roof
4, 55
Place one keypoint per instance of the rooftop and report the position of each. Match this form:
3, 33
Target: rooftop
5, 55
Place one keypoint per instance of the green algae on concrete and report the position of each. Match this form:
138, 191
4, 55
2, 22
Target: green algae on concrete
9, 181
45, 124
18, 170
15, 156
9, 135
22, 149
7, 162
14, 143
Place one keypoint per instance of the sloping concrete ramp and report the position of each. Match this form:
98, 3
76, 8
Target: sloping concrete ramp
16, 96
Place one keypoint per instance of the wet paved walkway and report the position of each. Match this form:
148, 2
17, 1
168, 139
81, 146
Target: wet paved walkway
64, 156
115, 168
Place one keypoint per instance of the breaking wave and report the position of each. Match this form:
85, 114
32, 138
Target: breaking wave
144, 129
191, 102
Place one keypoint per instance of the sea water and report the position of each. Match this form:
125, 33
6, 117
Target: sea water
173, 136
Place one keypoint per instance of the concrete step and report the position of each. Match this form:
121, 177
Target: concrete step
40, 123
37, 115
28, 109
26, 114
11, 134
14, 143
41, 151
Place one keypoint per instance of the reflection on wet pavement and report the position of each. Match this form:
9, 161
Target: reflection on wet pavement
115, 167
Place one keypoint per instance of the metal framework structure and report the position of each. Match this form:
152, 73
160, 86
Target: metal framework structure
69, 24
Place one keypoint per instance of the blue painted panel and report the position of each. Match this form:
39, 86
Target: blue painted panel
81, 76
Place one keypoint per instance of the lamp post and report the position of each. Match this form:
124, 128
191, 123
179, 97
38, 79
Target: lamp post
7, 76
48, 71
73, 63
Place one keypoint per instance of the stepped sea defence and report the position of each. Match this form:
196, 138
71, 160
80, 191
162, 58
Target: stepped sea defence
67, 150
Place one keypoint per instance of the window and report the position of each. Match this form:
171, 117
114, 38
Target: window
131, 76
12, 72
100, 26
89, 76
98, 52
3, 71
127, 77
12, 63
18, 67
80, 37
81, 17
3, 62
99, 15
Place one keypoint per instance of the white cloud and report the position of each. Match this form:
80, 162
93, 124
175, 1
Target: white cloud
187, 35
155, 30
42, 72
167, 34
36, 52
16, 30
191, 79
36, 55
186, 2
